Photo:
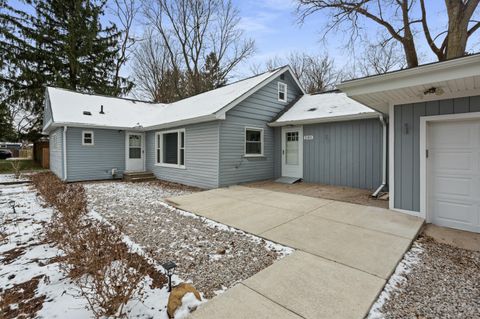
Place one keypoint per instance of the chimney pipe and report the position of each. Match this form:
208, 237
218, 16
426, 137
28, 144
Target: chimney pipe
101, 109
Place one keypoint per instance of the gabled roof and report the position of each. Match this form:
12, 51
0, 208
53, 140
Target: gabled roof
68, 107
324, 107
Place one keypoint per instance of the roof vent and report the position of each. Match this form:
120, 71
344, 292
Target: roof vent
282, 76
312, 109
87, 113
101, 109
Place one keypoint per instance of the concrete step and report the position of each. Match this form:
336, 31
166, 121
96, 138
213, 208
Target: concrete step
138, 176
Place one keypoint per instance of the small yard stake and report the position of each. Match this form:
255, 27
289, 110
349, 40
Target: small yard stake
169, 266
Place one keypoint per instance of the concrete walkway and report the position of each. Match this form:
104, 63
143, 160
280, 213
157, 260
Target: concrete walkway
344, 253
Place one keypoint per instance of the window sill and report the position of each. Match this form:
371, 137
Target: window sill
254, 156
171, 166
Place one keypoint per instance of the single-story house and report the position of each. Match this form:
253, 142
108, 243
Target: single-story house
258, 128
415, 131
434, 138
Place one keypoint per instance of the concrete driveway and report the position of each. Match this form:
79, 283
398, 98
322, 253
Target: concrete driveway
344, 253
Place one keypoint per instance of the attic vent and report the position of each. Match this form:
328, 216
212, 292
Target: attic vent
312, 109
282, 76
87, 113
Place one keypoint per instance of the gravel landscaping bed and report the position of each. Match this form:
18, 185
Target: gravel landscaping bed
433, 281
210, 255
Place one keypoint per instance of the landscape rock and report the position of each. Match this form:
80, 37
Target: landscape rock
176, 296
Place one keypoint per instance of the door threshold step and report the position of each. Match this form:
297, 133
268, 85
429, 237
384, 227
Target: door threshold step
288, 180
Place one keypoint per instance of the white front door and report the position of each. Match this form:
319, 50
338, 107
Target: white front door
135, 151
292, 151
453, 174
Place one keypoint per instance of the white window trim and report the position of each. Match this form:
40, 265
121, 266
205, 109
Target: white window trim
278, 91
261, 141
160, 134
83, 138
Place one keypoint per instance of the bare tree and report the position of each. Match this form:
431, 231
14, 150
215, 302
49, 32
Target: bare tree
397, 18
125, 11
154, 76
193, 30
380, 59
315, 72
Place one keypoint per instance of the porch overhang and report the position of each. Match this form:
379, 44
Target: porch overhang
454, 78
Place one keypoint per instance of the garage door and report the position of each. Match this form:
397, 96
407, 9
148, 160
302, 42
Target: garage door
454, 174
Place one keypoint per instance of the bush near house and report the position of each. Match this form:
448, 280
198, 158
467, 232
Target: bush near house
96, 259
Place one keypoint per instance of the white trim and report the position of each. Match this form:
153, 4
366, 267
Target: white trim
429, 73
65, 153
262, 144
327, 119
160, 134
391, 156
92, 137
423, 147
285, 94
127, 146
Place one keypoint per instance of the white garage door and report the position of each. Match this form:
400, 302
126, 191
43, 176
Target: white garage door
454, 174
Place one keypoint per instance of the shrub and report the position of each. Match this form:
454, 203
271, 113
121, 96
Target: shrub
95, 257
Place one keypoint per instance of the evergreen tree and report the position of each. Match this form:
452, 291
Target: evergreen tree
212, 76
62, 44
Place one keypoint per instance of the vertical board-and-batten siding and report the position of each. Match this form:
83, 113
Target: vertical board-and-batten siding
201, 156
56, 152
256, 111
345, 153
95, 162
407, 144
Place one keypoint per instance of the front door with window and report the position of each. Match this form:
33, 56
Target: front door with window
292, 152
135, 152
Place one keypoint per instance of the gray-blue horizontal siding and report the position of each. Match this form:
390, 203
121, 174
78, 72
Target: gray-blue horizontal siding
255, 111
344, 153
201, 157
407, 144
56, 152
95, 162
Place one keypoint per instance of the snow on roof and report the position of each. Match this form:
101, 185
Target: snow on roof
69, 107
324, 107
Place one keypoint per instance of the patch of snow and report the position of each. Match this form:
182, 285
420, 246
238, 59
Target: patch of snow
189, 304
68, 106
324, 106
8, 178
411, 258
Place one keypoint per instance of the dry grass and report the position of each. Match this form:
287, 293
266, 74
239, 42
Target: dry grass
23, 296
107, 273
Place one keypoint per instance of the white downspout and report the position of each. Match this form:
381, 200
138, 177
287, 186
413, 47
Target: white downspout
64, 153
384, 158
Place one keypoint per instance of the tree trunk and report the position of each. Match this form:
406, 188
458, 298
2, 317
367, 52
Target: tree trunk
459, 14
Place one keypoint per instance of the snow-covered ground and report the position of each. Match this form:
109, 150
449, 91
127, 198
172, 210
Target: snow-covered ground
8, 178
27, 261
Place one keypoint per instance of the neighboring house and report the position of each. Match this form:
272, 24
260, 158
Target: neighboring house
434, 138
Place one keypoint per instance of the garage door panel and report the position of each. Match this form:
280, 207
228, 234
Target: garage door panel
454, 160
458, 135
454, 185
455, 211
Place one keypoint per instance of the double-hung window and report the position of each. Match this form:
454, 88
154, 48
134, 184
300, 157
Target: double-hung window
87, 138
282, 92
253, 141
170, 148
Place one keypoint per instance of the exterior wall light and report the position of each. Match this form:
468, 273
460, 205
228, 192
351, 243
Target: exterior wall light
169, 267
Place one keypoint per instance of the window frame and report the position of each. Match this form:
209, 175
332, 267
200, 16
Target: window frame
92, 137
262, 144
159, 148
285, 93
